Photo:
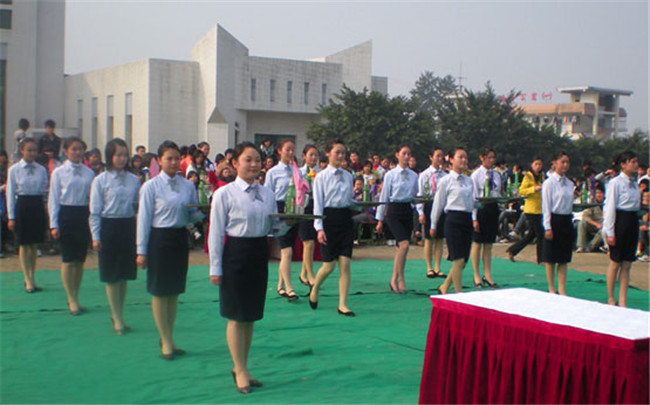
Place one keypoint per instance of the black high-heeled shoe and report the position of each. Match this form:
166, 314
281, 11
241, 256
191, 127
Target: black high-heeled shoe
246, 389
312, 304
491, 285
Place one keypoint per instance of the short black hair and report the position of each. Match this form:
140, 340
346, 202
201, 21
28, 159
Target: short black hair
50, 123
23, 124
165, 146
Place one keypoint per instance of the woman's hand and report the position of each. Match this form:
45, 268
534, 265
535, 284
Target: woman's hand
476, 227
322, 239
216, 280
611, 240
141, 261
54, 232
422, 220
432, 232
97, 245
380, 226
548, 235
11, 225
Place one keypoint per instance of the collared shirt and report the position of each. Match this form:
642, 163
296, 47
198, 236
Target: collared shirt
238, 209
400, 185
432, 176
333, 188
479, 177
277, 180
557, 198
69, 185
622, 194
112, 195
163, 204
24, 179
454, 193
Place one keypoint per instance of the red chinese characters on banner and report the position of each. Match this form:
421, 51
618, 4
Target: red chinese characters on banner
533, 97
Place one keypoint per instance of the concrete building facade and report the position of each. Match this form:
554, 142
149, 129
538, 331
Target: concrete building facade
222, 95
32, 37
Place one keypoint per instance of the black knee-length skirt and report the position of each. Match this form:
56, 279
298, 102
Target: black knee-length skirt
626, 232
400, 220
560, 249
339, 230
245, 277
440, 225
117, 257
31, 221
167, 260
488, 224
458, 233
75, 233
306, 229
288, 239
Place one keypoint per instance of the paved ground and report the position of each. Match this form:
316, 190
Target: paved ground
587, 262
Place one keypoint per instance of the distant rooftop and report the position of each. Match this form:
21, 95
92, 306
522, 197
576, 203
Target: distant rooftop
585, 89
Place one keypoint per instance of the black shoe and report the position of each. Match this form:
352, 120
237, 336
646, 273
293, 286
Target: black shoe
303, 281
312, 304
393, 290
491, 285
168, 356
179, 352
291, 295
246, 389
282, 293
348, 313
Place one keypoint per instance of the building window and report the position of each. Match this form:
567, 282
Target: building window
128, 118
272, 91
5, 19
80, 117
109, 118
236, 133
253, 89
289, 91
323, 93
93, 127
5, 2
305, 93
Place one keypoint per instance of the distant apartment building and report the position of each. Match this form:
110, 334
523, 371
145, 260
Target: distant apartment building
31, 64
590, 112
223, 95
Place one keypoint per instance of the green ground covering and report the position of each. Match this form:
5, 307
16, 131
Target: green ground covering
302, 356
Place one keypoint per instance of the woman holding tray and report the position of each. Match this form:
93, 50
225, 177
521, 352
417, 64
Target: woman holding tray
277, 180
333, 197
454, 197
487, 183
621, 225
399, 190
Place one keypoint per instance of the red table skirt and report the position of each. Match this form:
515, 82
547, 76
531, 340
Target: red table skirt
475, 355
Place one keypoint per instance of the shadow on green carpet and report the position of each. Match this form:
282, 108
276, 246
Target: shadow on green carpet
301, 355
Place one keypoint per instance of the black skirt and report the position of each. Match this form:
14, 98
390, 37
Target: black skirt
245, 276
458, 232
488, 224
288, 239
167, 260
560, 249
339, 231
31, 221
440, 225
400, 220
117, 257
306, 229
75, 233
626, 232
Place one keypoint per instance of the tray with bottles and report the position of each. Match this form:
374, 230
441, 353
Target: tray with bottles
422, 200
366, 204
298, 217
583, 206
500, 200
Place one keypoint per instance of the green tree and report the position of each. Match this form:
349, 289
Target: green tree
431, 90
370, 122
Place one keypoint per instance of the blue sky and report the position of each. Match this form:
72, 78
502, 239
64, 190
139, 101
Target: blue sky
531, 46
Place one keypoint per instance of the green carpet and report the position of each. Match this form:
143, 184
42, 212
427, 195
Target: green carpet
302, 356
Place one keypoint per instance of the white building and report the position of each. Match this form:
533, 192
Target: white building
223, 96
31, 64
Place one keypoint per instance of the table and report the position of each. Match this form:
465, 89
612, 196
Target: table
526, 346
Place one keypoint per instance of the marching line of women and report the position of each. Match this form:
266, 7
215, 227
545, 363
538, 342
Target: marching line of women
102, 212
